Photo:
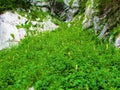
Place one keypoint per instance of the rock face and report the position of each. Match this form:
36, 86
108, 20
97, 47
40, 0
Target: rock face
63, 10
117, 42
103, 16
87, 22
9, 34
73, 8
45, 25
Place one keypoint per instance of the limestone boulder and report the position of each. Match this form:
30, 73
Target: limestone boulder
9, 34
117, 42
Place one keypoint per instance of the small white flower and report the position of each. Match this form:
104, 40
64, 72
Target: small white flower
69, 25
37, 19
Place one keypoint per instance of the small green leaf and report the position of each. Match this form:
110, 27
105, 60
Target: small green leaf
12, 35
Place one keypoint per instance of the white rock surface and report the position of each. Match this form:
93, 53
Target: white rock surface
9, 34
12, 18
117, 42
47, 25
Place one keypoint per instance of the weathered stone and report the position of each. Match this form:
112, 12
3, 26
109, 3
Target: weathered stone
103, 17
47, 25
9, 34
63, 10
117, 42
102, 33
88, 18
75, 3
96, 23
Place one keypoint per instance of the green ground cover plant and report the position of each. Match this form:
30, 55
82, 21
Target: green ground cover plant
13, 5
67, 58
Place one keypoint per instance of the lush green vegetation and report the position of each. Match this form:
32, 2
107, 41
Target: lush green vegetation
65, 59
13, 4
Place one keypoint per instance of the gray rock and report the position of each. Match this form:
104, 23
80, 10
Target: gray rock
117, 42
89, 16
96, 22
73, 9
88, 19
9, 34
104, 31
75, 3
63, 10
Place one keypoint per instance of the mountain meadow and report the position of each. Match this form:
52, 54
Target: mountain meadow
80, 53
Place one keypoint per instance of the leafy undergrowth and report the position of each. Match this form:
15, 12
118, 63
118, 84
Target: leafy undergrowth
65, 59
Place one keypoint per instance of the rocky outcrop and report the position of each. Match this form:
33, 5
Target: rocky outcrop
10, 35
100, 15
117, 42
65, 10
45, 25
103, 16
89, 14
73, 8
